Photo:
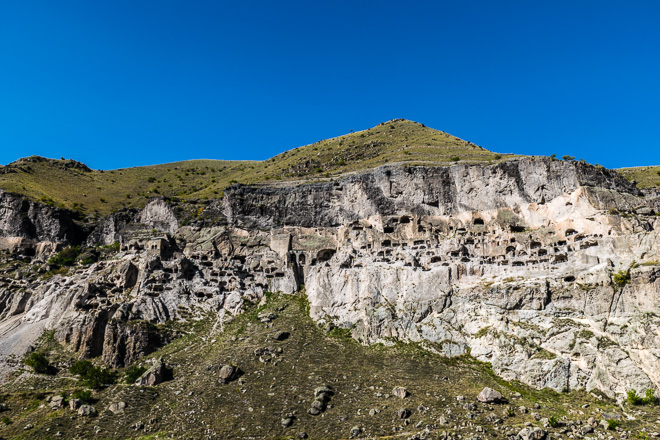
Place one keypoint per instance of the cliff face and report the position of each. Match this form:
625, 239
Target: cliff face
23, 223
437, 191
512, 263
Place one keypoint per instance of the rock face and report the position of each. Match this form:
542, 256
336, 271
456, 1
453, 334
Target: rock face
513, 263
28, 227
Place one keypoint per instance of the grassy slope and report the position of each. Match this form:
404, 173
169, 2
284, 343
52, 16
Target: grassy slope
195, 405
646, 177
102, 192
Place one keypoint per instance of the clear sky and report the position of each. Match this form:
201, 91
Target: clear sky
117, 83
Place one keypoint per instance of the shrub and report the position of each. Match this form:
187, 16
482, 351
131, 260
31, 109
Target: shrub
66, 257
6, 420
38, 362
612, 424
91, 376
98, 377
649, 397
133, 374
80, 368
553, 422
633, 398
567, 157
498, 156
84, 395
455, 158
151, 179
621, 278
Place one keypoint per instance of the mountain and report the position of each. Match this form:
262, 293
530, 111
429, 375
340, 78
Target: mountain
412, 297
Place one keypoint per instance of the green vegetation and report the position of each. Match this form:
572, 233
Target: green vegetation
621, 278
133, 374
84, 395
553, 421
612, 424
648, 399
38, 361
645, 177
91, 376
80, 368
93, 193
66, 257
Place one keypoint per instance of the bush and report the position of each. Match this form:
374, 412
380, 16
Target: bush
80, 368
133, 374
649, 397
553, 422
612, 424
151, 179
633, 398
98, 377
38, 362
6, 420
455, 158
66, 257
91, 376
567, 157
621, 278
84, 395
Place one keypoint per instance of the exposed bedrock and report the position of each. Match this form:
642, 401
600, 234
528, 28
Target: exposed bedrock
513, 263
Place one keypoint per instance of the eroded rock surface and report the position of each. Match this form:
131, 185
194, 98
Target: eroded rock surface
512, 263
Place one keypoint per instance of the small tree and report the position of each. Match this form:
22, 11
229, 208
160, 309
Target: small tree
567, 157
38, 362
633, 398
80, 368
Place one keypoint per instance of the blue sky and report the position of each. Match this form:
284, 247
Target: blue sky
125, 83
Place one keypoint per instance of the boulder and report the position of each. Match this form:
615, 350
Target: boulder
74, 404
489, 395
400, 392
56, 402
87, 411
227, 373
403, 413
531, 433
117, 407
154, 375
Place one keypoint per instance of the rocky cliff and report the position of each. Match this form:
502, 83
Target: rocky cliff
546, 269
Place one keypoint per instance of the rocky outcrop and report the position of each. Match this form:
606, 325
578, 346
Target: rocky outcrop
436, 191
24, 224
512, 263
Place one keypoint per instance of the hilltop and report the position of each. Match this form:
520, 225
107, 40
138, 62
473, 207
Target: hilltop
94, 193
72, 185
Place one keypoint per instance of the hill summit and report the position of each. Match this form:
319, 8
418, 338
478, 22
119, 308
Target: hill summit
72, 185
